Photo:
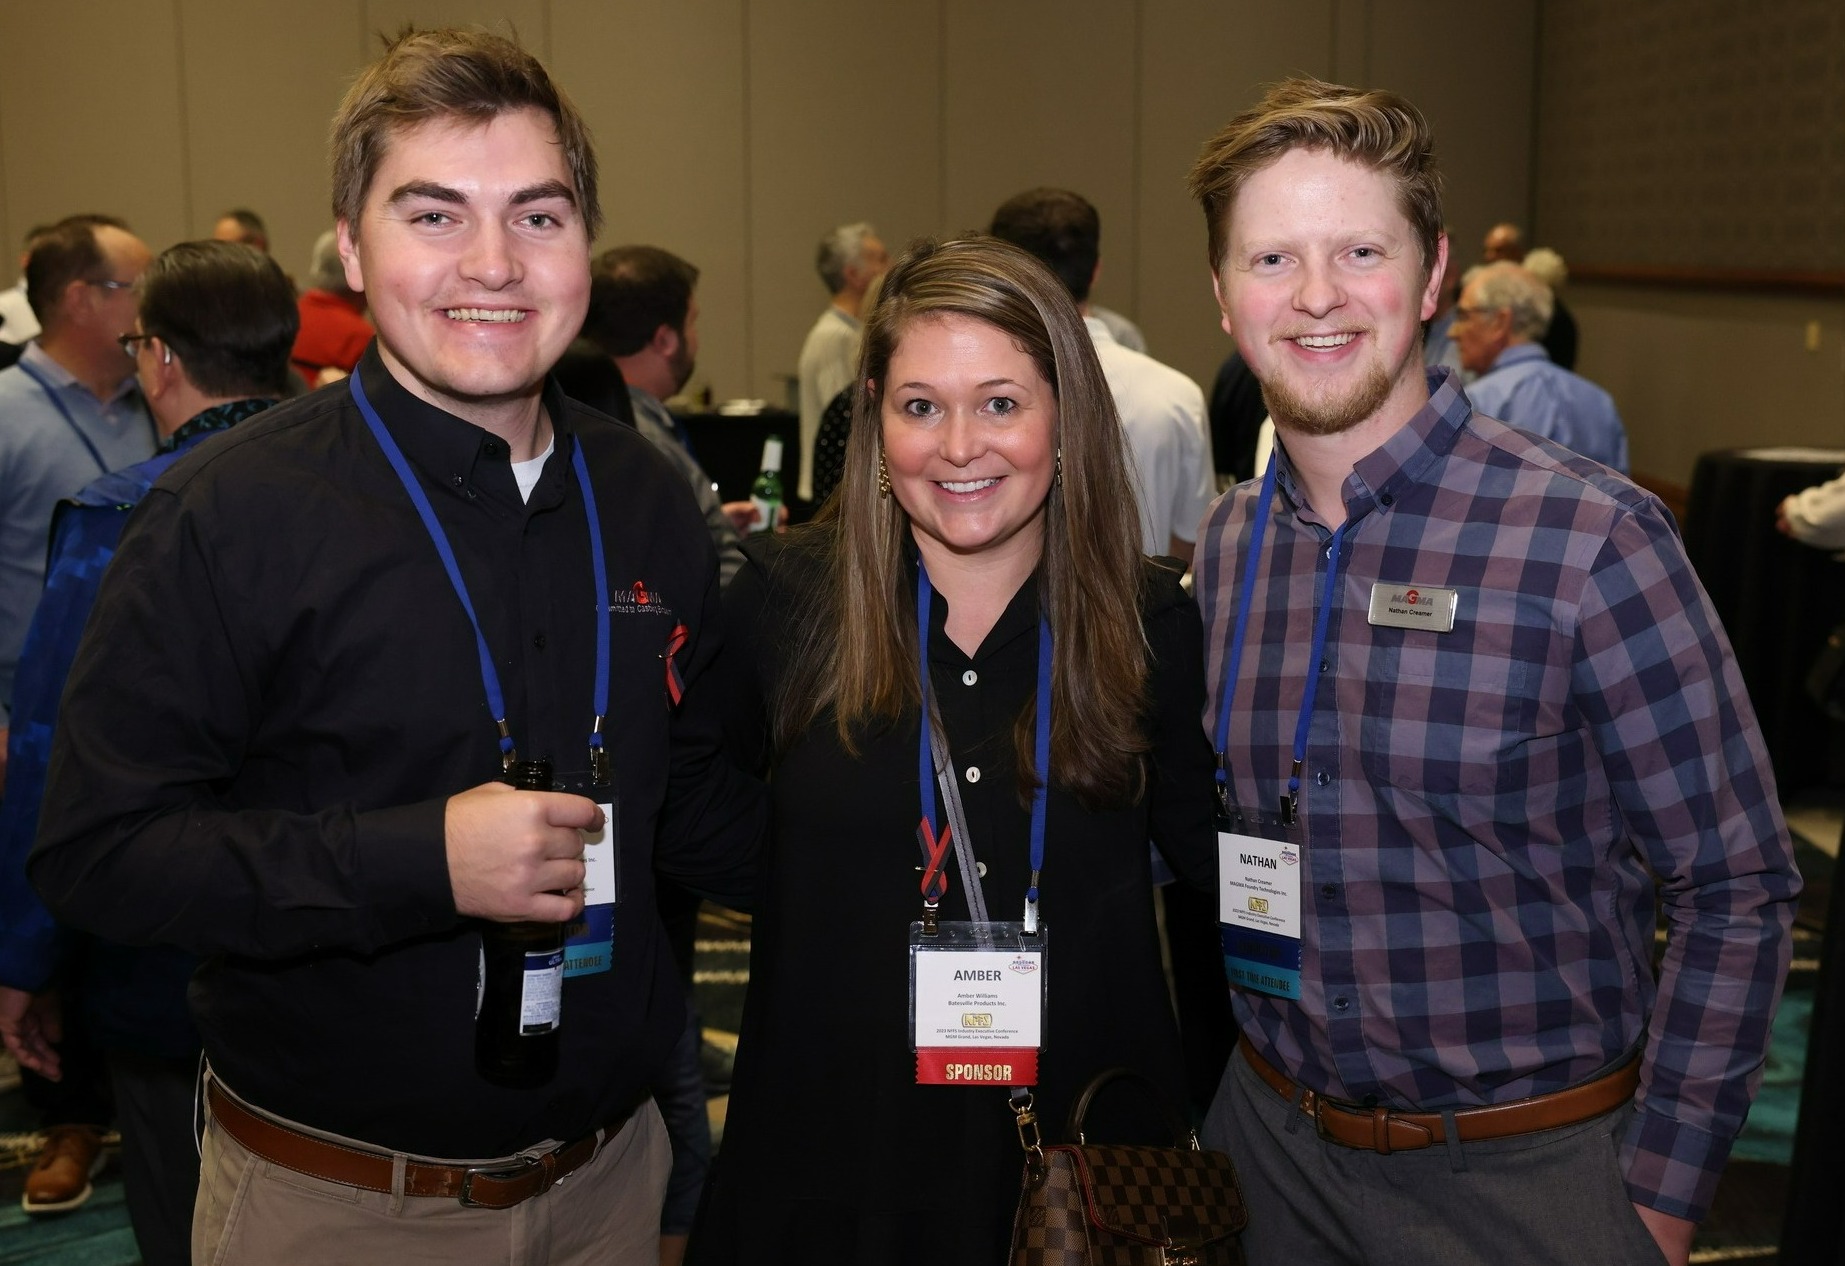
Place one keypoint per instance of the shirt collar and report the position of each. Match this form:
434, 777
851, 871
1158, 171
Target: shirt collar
62, 378
852, 322
456, 455
1380, 478
1020, 618
1098, 329
219, 417
1519, 354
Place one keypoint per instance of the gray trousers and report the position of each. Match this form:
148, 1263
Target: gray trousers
1536, 1200
253, 1213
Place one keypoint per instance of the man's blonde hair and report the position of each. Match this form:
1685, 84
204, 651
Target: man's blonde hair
1375, 128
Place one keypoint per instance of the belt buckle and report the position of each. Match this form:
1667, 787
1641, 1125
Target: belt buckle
503, 1172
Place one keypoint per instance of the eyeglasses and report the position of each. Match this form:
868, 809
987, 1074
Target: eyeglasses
108, 283
1475, 314
127, 343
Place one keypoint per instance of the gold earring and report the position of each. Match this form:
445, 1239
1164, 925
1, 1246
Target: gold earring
1058, 476
883, 476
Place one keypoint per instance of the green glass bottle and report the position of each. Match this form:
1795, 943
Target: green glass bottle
766, 492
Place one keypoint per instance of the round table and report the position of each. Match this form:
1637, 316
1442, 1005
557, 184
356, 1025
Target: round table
1777, 598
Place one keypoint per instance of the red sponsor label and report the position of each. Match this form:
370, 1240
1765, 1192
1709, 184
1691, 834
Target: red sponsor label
978, 1066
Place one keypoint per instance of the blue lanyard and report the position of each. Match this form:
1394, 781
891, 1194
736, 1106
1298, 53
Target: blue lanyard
490, 678
1290, 803
925, 763
51, 394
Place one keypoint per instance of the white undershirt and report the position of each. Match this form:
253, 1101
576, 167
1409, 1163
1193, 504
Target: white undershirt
527, 472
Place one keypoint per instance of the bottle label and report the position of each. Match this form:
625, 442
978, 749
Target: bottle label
541, 1003
766, 511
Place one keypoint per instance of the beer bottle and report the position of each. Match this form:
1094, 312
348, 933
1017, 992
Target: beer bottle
766, 492
517, 1028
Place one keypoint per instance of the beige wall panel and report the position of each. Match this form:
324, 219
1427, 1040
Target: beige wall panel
90, 107
1693, 372
1470, 68
662, 87
1033, 98
1349, 42
1203, 60
845, 106
530, 18
263, 78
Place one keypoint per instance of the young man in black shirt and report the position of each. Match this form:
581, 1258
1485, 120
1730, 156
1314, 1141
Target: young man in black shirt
286, 727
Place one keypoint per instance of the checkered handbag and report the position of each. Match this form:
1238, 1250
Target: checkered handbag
1087, 1204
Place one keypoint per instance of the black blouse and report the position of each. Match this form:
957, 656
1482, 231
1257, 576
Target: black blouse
831, 1151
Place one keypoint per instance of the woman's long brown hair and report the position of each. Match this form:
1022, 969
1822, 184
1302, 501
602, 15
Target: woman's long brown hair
857, 650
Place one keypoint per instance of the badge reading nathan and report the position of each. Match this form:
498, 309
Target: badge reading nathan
1414, 607
977, 1004
1259, 913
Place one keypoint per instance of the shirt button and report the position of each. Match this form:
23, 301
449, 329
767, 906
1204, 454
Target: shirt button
980, 868
973, 773
1326, 665
969, 677
1322, 778
538, 640
1342, 1004
457, 480
1386, 501
1329, 891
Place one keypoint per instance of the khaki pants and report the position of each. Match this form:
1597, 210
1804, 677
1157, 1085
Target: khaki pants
254, 1213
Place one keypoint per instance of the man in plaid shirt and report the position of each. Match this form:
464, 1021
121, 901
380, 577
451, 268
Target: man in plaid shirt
1472, 706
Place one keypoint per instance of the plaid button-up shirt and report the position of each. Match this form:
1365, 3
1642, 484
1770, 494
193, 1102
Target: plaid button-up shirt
1486, 810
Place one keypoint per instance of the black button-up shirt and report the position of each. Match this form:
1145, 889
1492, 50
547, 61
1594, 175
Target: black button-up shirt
278, 693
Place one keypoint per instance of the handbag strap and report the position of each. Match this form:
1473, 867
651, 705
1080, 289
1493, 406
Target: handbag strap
957, 816
1182, 1133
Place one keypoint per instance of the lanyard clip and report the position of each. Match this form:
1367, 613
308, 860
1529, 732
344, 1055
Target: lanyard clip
598, 755
929, 925
1290, 803
509, 754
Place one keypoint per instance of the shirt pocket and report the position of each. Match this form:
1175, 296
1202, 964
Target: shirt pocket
1444, 716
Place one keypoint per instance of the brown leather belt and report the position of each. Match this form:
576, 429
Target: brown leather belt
1386, 1130
497, 1186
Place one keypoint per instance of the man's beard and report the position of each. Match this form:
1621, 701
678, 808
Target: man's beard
682, 366
1328, 415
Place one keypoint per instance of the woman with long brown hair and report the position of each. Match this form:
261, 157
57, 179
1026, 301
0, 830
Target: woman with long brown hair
979, 566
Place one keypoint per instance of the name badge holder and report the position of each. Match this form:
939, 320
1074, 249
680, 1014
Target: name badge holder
590, 939
977, 995
1261, 856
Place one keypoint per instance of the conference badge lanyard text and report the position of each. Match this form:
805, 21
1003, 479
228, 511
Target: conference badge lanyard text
590, 939
976, 986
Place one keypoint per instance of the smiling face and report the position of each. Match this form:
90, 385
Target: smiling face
970, 437
473, 258
1324, 289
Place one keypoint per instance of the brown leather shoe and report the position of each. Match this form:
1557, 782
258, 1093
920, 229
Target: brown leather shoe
60, 1181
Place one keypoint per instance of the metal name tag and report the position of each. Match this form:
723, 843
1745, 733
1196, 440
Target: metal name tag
1414, 607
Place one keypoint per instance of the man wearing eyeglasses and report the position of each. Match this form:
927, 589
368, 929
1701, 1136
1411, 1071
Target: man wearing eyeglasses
69, 410
1499, 327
